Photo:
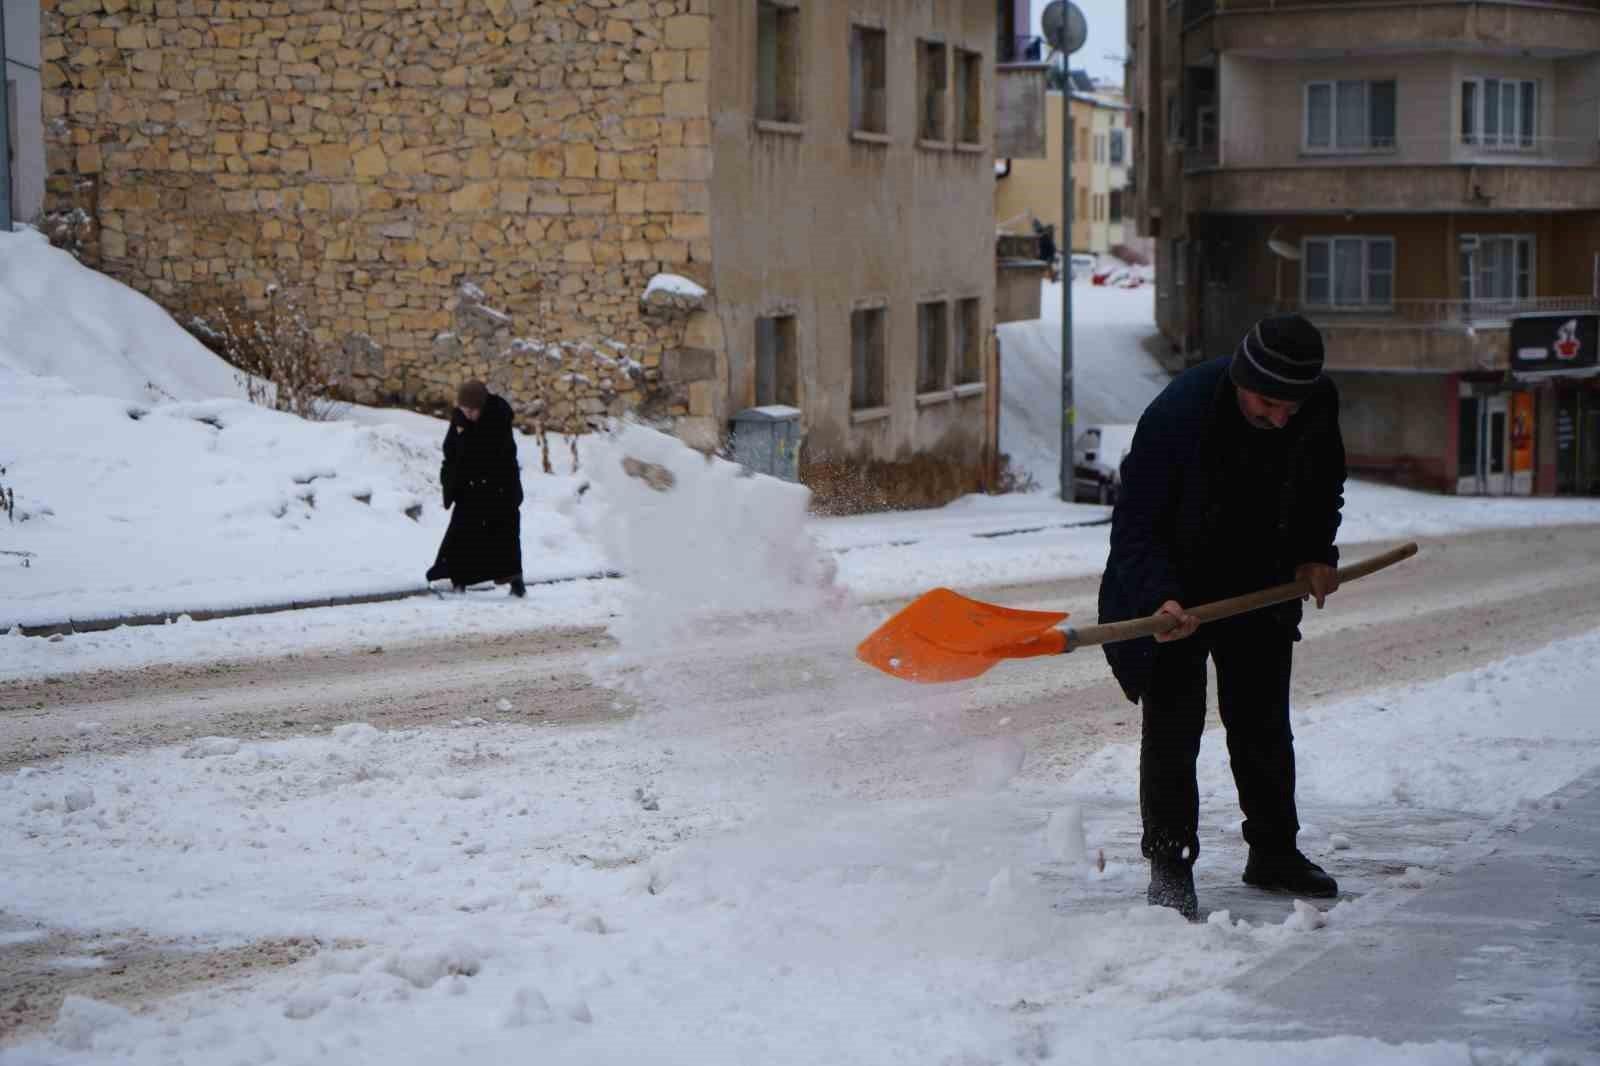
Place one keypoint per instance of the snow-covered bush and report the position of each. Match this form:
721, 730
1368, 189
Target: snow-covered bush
278, 357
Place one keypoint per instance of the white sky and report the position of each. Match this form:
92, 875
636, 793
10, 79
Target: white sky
1107, 36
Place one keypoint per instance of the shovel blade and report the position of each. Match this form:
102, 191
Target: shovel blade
944, 636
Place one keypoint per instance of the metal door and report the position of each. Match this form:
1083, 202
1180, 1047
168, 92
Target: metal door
1483, 444
1496, 461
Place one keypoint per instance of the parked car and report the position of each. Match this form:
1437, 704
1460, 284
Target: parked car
1097, 462
1083, 265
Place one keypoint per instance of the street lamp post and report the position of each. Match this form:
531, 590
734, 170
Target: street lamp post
1066, 29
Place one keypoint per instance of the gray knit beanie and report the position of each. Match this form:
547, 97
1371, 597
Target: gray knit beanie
1280, 357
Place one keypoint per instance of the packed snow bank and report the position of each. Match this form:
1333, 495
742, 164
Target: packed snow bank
124, 508
60, 319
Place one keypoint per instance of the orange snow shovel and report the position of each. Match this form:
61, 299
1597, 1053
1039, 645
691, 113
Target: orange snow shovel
944, 636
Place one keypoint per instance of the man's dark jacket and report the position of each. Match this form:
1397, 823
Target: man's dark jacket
480, 479
1211, 507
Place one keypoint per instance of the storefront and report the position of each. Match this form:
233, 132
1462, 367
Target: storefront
1494, 439
1557, 356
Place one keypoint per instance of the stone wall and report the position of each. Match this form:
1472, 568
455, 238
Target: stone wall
447, 187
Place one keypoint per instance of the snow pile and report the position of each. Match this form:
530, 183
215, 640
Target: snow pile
699, 536
130, 507
60, 319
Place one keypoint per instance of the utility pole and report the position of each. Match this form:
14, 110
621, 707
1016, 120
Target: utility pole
1066, 29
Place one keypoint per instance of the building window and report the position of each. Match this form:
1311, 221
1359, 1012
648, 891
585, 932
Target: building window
777, 363
969, 96
777, 63
1499, 113
969, 349
1082, 214
1349, 271
1083, 142
869, 80
1099, 148
933, 364
1496, 267
1349, 116
869, 64
932, 80
1117, 147
866, 358
1116, 205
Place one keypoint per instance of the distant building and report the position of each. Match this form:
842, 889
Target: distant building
1413, 177
1102, 153
420, 174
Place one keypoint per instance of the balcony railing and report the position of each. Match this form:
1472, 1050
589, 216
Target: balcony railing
1021, 50
1438, 314
1249, 151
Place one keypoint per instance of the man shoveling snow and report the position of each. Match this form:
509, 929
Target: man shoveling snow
1235, 481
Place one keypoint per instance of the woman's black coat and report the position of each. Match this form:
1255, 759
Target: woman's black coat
482, 486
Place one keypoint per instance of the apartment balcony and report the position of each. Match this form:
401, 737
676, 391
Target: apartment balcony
1251, 175
1285, 28
1427, 336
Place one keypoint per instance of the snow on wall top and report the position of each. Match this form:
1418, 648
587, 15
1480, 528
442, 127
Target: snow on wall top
676, 284
58, 318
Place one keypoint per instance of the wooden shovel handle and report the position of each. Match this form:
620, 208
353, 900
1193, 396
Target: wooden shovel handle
1155, 624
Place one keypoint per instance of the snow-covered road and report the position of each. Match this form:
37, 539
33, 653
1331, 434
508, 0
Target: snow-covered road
733, 847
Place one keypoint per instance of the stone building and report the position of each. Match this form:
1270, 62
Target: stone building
488, 187
1417, 178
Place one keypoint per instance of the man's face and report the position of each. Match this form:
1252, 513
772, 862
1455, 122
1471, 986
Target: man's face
472, 413
1263, 412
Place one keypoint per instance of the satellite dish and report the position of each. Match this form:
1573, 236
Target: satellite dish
1064, 26
1282, 249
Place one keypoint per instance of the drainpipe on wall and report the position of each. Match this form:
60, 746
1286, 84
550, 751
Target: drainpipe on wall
5, 132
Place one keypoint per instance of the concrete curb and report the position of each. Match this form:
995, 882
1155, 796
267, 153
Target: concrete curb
161, 618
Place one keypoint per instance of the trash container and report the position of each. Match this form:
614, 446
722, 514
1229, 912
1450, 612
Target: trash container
766, 440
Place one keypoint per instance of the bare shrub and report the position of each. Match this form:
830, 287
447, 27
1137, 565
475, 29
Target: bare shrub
1014, 478
546, 378
279, 359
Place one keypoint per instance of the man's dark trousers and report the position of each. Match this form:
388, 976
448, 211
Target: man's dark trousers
1253, 654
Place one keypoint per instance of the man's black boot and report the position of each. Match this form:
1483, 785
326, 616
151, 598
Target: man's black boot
1288, 871
1172, 885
